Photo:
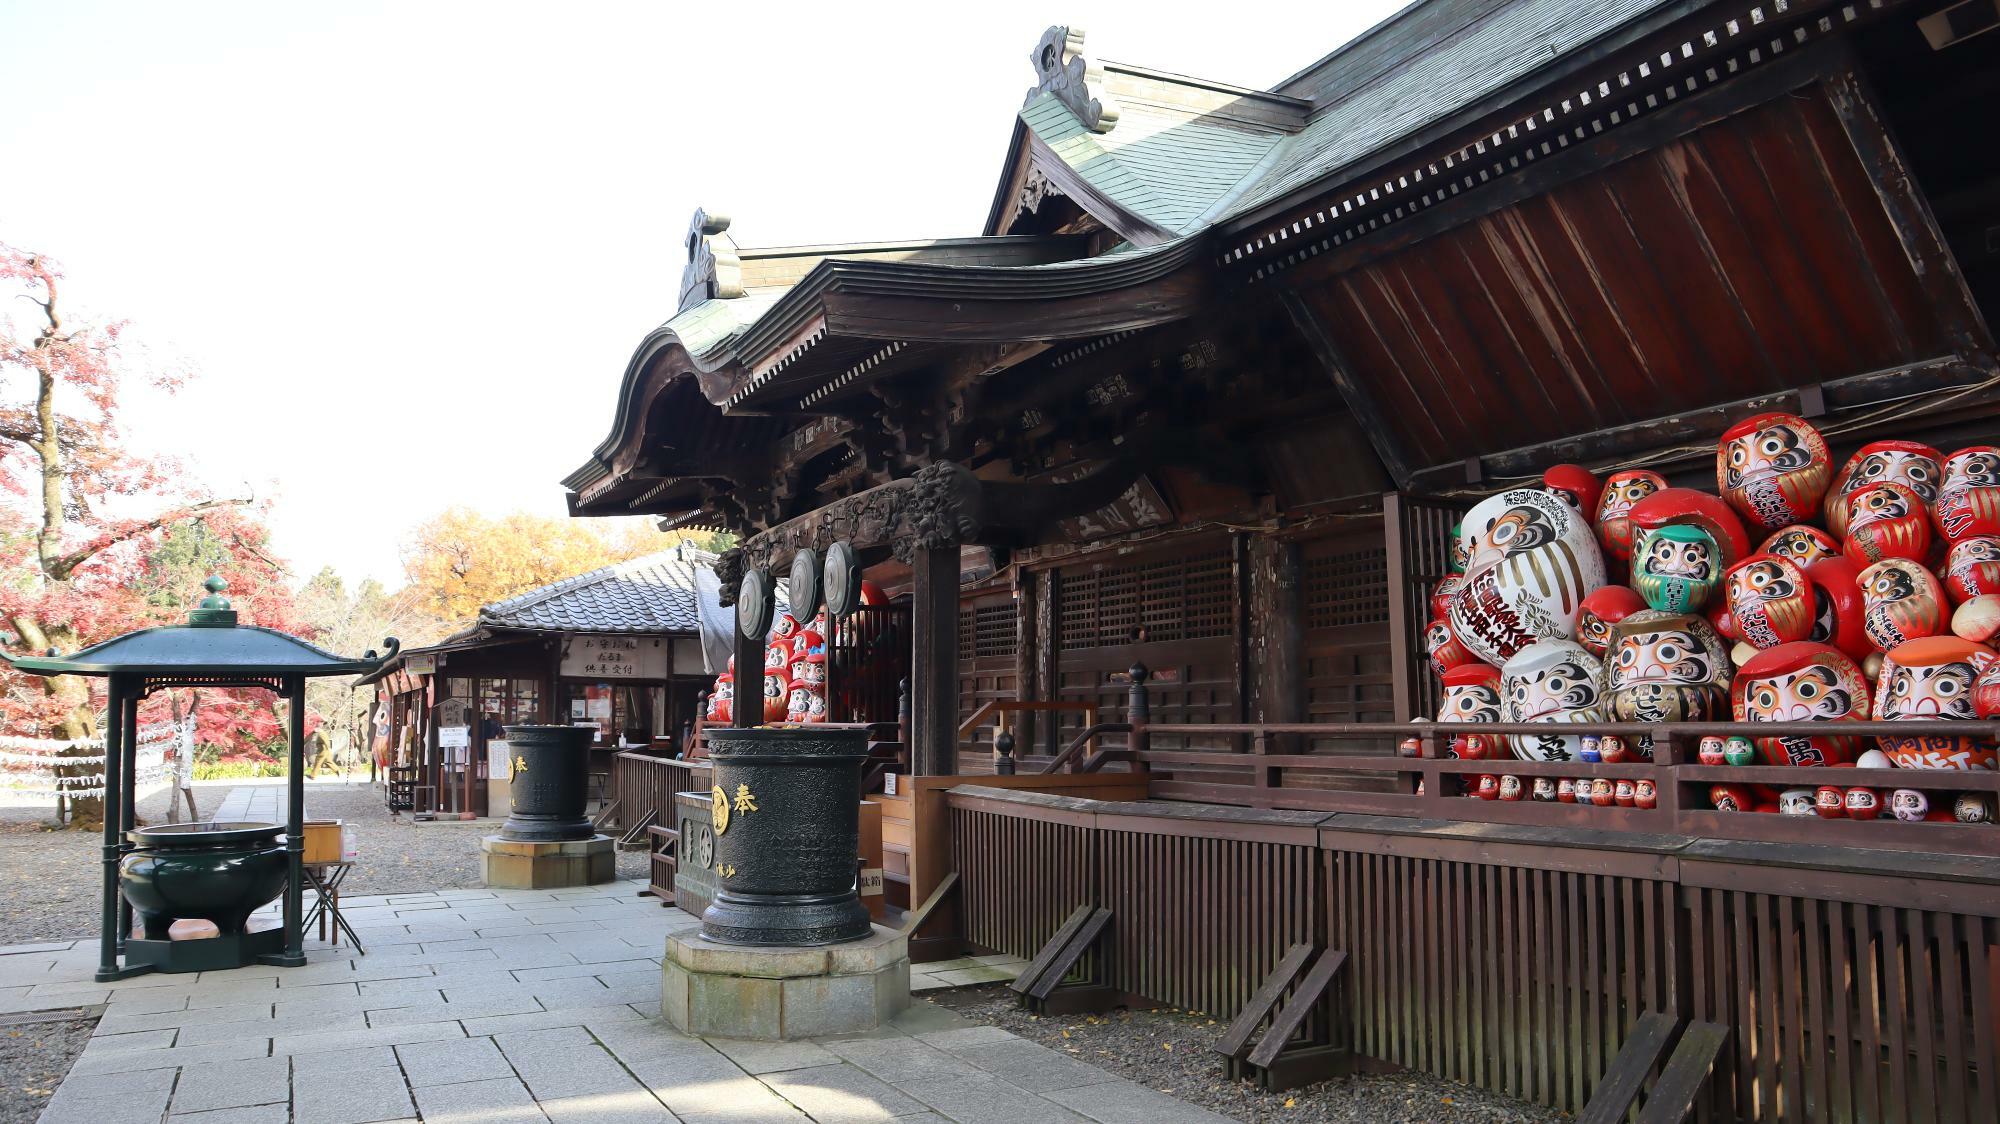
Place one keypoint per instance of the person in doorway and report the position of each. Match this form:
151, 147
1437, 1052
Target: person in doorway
490, 729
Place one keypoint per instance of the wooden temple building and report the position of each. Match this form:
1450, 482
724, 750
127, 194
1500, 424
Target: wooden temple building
618, 649
1161, 466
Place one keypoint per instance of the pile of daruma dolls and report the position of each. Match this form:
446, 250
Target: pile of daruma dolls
1799, 594
794, 683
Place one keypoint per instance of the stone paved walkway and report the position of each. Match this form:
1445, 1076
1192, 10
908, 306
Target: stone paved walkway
517, 1006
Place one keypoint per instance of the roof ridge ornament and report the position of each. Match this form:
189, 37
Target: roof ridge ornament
1061, 69
215, 611
713, 271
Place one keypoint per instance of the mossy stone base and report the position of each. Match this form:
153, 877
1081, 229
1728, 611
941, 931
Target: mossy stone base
781, 993
515, 864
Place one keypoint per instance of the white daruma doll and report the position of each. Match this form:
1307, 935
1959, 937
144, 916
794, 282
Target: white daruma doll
1555, 681
1530, 560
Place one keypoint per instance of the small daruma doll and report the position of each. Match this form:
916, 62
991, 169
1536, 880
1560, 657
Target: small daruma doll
1933, 678
1605, 607
1903, 603
777, 695
719, 700
1770, 601
1886, 520
1802, 544
1665, 667
1615, 531
1968, 501
1471, 694
1687, 539
1803, 682
1530, 559
1972, 567
1555, 681
1774, 469
1915, 466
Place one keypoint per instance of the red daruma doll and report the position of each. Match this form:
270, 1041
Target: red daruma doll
1770, 600
1615, 531
1471, 694
1908, 463
1968, 502
1887, 520
1802, 682
1773, 469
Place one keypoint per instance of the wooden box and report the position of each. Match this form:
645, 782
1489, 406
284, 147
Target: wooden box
322, 842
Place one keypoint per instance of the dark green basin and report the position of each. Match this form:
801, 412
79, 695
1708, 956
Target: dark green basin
218, 872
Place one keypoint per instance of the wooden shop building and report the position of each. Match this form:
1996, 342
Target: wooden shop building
1197, 407
618, 648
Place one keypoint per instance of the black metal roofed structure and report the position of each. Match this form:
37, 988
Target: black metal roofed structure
211, 650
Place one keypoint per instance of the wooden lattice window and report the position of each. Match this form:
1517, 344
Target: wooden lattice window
1347, 589
1188, 598
965, 619
995, 631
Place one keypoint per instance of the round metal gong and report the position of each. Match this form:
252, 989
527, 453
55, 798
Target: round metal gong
753, 605
842, 579
805, 584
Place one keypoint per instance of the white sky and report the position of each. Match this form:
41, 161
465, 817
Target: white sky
410, 246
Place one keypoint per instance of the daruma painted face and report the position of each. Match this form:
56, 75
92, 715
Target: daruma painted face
1773, 469
1904, 603
1623, 489
1530, 560
1968, 502
1933, 678
1802, 544
1802, 682
1972, 567
1471, 694
1886, 521
1605, 607
1665, 667
1770, 600
1550, 681
1444, 649
1676, 569
1915, 466
1442, 594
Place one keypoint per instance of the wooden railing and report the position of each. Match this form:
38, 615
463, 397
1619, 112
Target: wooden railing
1006, 758
1434, 786
642, 783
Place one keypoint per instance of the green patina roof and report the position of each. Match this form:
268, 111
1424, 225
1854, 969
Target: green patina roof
211, 644
1169, 167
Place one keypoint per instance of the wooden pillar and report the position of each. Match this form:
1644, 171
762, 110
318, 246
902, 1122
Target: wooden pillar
1048, 652
1279, 644
295, 829
109, 938
1027, 668
934, 662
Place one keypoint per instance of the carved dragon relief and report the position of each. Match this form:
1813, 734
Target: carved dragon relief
1061, 69
713, 270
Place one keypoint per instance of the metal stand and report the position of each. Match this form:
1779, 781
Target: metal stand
325, 880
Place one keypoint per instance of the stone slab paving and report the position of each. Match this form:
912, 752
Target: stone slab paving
539, 1007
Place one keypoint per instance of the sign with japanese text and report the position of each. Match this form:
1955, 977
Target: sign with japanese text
615, 657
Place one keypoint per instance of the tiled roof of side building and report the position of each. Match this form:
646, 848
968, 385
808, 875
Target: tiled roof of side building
655, 593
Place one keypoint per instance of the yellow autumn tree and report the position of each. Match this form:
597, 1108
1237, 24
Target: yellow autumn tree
462, 559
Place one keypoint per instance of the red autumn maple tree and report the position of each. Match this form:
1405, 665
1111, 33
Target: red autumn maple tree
88, 526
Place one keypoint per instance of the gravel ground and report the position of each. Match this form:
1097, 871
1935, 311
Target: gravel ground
34, 1058
1173, 1052
49, 880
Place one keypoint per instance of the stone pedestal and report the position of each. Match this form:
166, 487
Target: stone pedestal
517, 864
779, 993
